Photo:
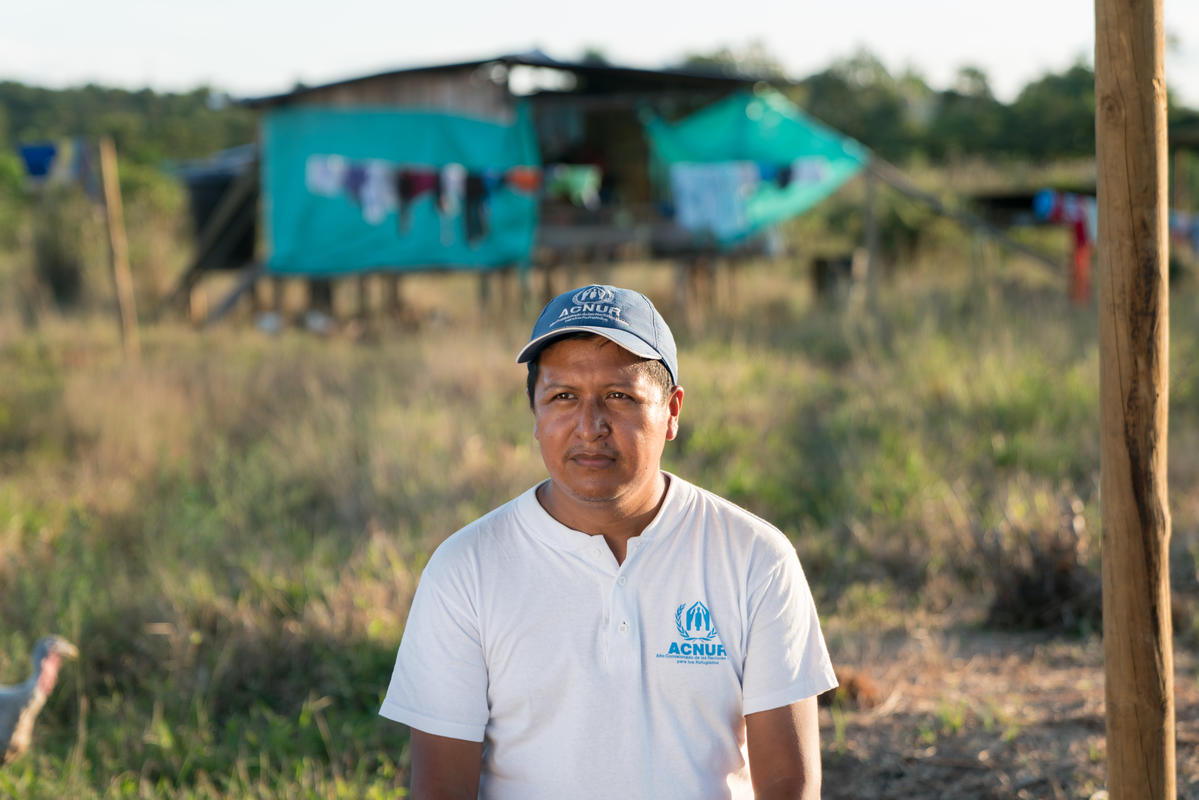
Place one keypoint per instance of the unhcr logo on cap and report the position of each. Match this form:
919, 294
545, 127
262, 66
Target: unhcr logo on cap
591, 301
622, 315
593, 294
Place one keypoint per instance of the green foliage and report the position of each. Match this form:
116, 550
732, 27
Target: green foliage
63, 220
13, 203
595, 56
753, 59
1053, 116
969, 120
147, 127
902, 118
12, 176
29, 398
858, 97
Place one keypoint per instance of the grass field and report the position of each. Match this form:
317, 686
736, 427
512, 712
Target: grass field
232, 530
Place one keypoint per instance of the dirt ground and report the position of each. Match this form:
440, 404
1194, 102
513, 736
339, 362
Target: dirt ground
985, 715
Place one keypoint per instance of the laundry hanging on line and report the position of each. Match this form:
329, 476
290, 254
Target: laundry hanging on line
38, 158
713, 197
798, 161
381, 187
1081, 213
1184, 226
58, 162
803, 170
578, 183
1078, 211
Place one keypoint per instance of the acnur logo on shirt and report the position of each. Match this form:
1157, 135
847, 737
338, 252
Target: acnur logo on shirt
699, 640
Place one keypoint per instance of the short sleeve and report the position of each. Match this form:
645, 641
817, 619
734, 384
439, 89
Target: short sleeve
439, 684
786, 658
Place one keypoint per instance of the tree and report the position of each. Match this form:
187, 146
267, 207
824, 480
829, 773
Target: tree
753, 59
1053, 116
595, 56
148, 127
968, 118
858, 97
972, 81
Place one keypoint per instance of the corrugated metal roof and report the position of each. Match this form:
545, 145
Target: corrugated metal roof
537, 58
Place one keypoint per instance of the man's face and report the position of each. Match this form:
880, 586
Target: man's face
601, 421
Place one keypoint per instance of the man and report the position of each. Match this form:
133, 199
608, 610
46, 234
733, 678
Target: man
614, 631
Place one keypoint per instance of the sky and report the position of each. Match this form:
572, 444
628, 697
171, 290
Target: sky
252, 48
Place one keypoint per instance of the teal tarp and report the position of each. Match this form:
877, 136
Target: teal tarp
356, 190
793, 160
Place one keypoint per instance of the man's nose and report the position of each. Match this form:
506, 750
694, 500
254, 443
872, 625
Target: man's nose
593, 419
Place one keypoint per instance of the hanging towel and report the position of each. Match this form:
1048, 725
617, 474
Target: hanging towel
711, 197
578, 183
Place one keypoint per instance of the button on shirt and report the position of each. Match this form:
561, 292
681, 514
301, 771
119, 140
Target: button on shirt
587, 678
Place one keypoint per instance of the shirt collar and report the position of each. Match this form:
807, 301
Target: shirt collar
559, 536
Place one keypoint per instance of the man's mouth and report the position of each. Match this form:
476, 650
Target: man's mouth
593, 460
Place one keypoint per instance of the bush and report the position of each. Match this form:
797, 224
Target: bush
63, 224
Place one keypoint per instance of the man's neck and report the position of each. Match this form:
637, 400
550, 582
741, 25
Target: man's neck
616, 520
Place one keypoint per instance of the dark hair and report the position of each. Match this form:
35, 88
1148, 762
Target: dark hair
656, 370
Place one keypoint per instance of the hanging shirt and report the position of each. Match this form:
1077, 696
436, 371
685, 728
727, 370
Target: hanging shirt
711, 197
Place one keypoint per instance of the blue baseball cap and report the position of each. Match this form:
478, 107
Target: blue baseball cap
622, 315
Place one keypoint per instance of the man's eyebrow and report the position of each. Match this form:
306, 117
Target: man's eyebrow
629, 385
556, 386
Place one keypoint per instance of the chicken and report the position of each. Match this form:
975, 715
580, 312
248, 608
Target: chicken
20, 704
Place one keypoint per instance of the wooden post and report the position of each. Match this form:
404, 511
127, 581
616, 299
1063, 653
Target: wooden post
197, 305
122, 280
364, 296
548, 284
484, 291
870, 213
524, 277
1130, 128
394, 295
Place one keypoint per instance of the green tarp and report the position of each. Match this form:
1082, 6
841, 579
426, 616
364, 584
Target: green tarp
749, 162
377, 189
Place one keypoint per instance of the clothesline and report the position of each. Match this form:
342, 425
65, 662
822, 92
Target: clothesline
1080, 211
713, 196
1184, 225
381, 187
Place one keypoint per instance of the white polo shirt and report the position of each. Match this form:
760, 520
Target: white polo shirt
584, 678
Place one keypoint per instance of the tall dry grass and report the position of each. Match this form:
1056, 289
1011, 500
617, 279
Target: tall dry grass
232, 529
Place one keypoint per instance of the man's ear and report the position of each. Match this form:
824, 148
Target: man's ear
674, 403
